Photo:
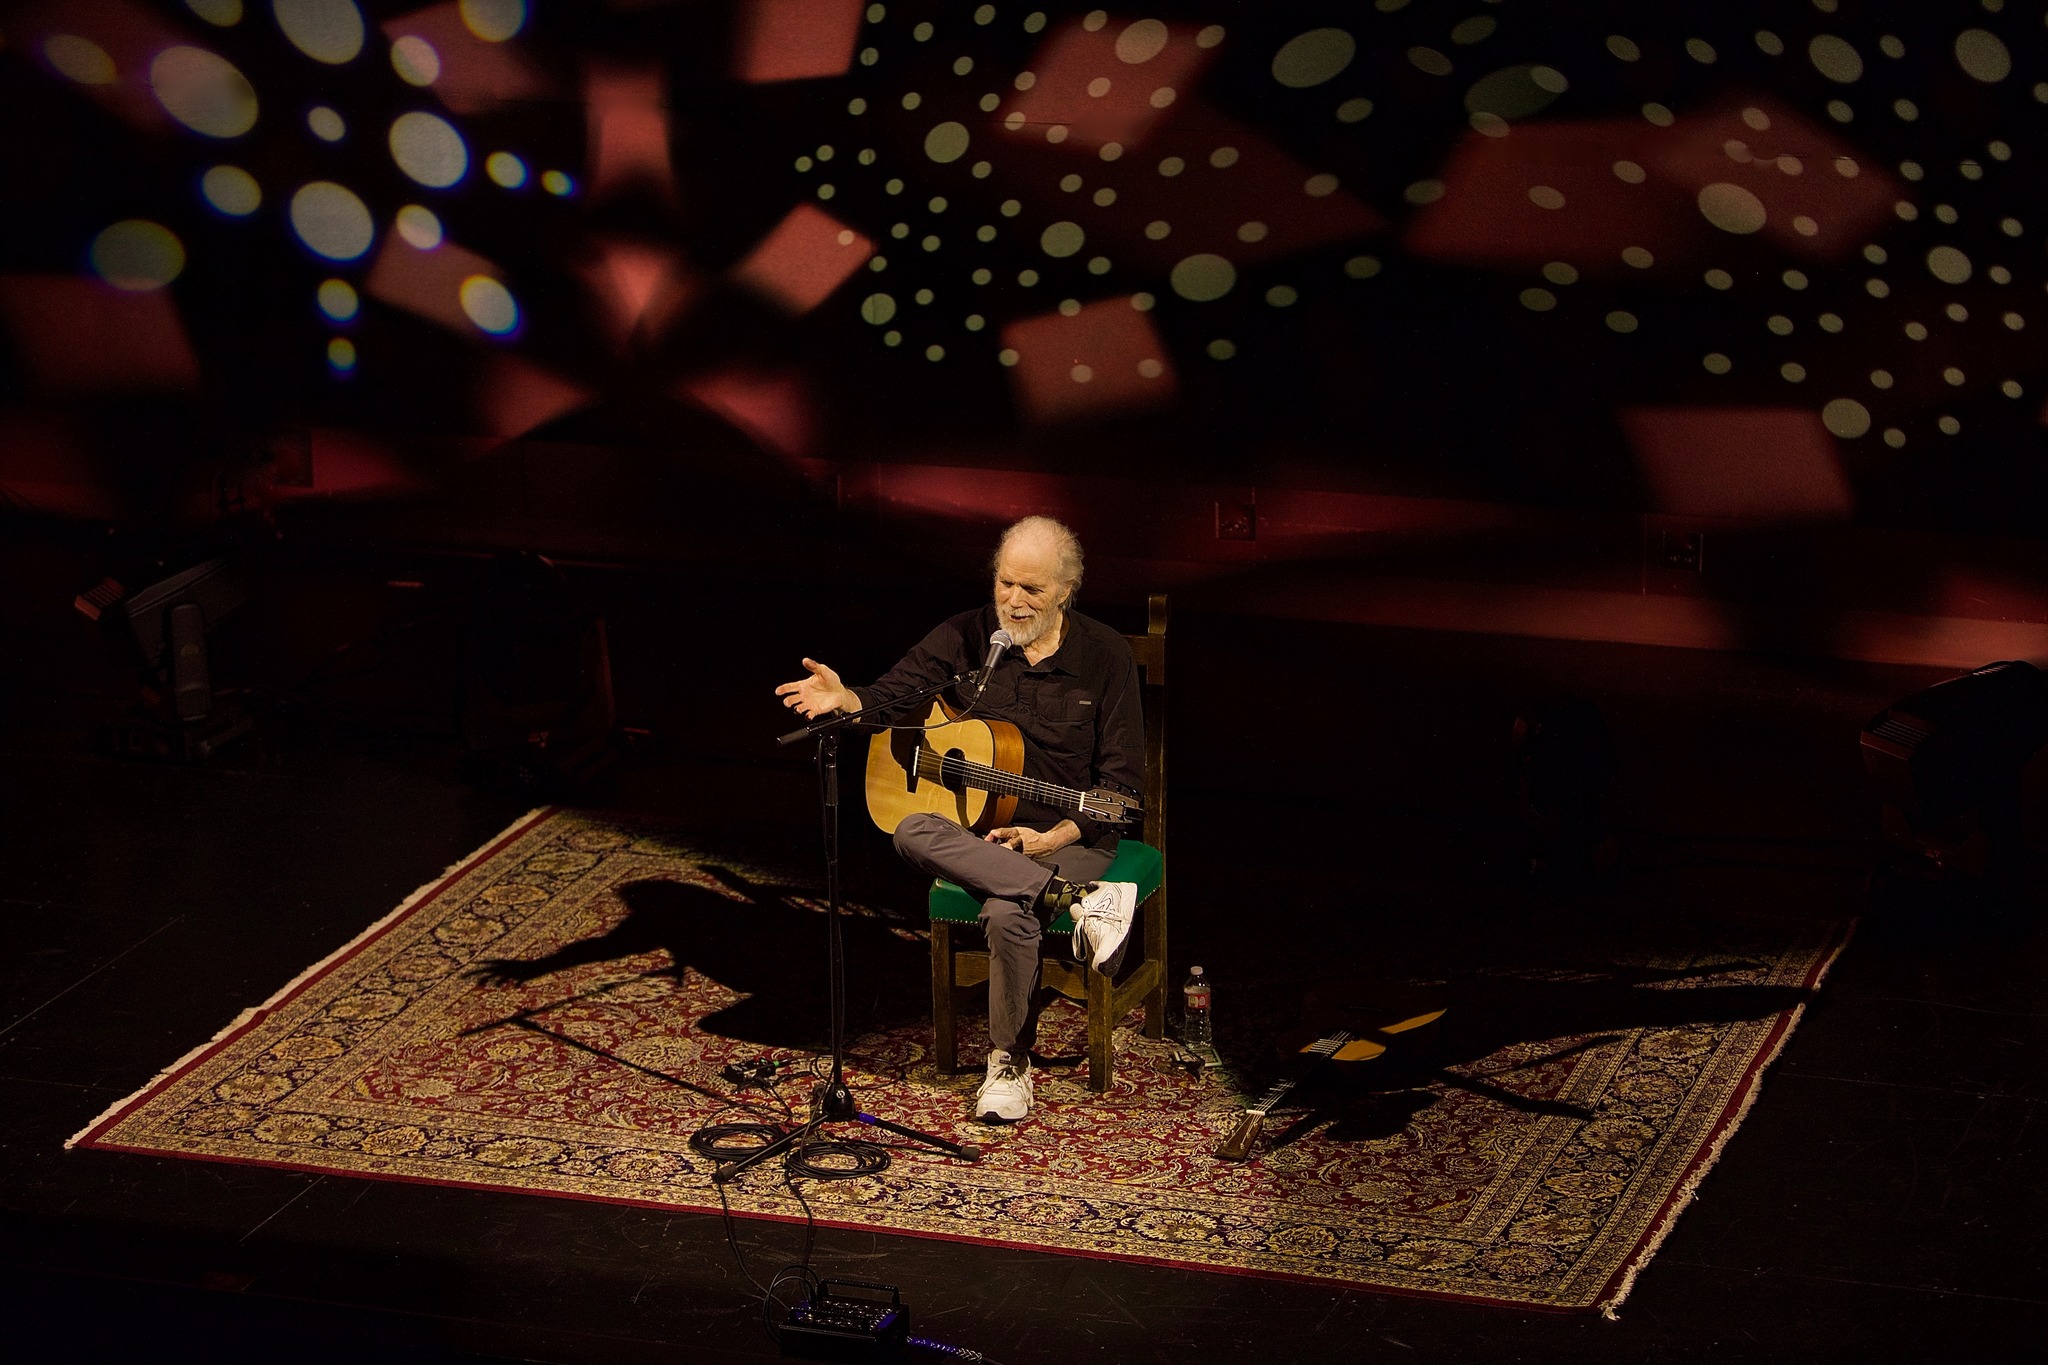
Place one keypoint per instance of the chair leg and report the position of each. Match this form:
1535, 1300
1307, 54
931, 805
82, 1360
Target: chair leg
1155, 950
1101, 1026
945, 1046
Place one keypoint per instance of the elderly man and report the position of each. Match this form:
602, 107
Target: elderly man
1069, 684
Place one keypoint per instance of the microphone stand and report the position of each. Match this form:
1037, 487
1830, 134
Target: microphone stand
832, 1100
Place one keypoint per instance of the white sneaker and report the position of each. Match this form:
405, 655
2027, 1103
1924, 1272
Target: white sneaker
1005, 1095
1102, 921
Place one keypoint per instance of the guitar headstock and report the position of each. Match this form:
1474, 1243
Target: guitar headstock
1238, 1146
1112, 808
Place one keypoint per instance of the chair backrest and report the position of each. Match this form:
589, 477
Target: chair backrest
1149, 650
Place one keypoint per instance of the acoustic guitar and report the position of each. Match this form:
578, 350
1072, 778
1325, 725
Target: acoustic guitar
1351, 1024
970, 771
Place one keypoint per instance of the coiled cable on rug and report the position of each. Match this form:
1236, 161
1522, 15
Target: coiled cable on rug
718, 1140
808, 1159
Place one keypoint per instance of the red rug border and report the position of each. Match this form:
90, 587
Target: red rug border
1036, 1248
1616, 1290
425, 895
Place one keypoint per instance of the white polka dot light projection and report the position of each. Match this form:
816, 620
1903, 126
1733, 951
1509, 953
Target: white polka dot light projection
1037, 254
231, 190
332, 221
203, 91
1757, 339
1092, 89
419, 226
138, 256
429, 149
79, 59
1013, 163
489, 304
415, 60
329, 31
243, 138
494, 21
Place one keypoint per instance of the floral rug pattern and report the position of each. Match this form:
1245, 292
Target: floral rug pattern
525, 1023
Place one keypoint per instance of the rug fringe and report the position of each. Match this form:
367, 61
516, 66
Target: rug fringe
250, 1016
1688, 1190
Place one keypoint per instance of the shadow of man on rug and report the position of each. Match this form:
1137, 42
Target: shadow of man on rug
756, 942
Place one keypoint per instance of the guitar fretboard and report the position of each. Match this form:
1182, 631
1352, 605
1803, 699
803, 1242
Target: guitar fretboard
951, 770
1325, 1046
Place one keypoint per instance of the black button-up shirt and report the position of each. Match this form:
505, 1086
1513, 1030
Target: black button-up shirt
1078, 708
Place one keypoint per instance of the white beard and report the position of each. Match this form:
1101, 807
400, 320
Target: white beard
1026, 633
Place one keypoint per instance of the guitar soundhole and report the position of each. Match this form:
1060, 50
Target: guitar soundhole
951, 775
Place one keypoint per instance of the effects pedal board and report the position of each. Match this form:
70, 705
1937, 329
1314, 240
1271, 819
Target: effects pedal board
840, 1326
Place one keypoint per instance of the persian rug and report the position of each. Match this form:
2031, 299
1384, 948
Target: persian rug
553, 1014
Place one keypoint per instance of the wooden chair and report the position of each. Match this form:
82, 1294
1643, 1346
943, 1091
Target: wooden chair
1141, 861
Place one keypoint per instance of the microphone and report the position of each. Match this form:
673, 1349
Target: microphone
997, 643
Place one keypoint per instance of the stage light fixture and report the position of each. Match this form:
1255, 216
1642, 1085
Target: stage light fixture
164, 628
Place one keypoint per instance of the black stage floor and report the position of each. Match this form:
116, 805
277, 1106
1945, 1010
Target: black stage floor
1339, 797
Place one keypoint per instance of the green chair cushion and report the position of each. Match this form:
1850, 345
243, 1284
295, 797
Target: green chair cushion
1134, 862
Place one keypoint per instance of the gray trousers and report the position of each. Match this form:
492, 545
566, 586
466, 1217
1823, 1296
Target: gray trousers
1008, 884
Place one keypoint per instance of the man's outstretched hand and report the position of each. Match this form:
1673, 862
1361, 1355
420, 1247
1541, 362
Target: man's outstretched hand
818, 695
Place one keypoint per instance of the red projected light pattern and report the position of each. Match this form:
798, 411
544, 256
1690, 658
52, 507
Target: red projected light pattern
793, 40
807, 256
1753, 464
626, 110
461, 52
1104, 357
639, 288
81, 337
776, 409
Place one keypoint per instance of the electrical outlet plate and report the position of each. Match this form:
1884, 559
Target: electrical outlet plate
1237, 521
1684, 551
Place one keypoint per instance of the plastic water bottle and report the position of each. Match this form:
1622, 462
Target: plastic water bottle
1195, 1029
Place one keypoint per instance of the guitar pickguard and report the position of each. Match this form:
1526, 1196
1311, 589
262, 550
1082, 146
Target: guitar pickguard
904, 745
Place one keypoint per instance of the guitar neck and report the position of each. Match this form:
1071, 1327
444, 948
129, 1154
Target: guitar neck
1238, 1146
943, 768
1323, 1048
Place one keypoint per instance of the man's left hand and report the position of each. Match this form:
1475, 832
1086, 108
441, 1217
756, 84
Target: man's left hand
1034, 843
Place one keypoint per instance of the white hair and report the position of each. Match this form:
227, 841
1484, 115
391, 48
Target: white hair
1065, 544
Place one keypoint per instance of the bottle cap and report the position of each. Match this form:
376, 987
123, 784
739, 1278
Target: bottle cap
1194, 971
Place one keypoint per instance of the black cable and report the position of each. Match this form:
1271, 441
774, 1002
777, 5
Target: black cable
736, 1141
850, 1158
769, 1302
809, 1159
810, 1218
732, 1240
967, 1353
716, 1140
